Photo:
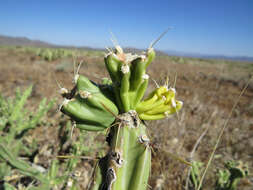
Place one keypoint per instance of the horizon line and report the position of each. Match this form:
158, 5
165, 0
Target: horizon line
169, 52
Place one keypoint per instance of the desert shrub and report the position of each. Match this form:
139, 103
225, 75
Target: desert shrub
15, 122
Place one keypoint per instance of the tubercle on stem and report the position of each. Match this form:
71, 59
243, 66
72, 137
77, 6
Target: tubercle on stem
88, 106
128, 74
129, 158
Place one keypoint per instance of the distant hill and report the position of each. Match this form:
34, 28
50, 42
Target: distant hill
206, 56
24, 41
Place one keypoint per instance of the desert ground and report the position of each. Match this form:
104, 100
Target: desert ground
208, 88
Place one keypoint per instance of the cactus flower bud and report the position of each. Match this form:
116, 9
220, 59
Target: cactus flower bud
160, 104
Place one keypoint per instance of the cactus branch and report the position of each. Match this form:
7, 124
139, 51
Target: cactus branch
117, 107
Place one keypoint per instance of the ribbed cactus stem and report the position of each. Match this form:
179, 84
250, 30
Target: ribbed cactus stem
117, 106
127, 165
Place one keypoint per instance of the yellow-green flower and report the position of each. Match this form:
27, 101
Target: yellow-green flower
160, 104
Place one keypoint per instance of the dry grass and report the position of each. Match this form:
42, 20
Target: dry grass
207, 89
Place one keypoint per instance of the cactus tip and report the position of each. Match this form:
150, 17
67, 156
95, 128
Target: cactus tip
173, 103
85, 94
166, 114
181, 103
145, 76
119, 50
109, 50
79, 66
143, 57
76, 75
173, 90
144, 139
150, 49
65, 102
125, 69
63, 91
76, 78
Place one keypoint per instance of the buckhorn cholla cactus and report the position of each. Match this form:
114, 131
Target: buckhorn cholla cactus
117, 106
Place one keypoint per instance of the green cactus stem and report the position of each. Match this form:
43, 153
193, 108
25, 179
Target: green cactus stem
89, 106
118, 107
128, 74
129, 159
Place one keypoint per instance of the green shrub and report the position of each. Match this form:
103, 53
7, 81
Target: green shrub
15, 122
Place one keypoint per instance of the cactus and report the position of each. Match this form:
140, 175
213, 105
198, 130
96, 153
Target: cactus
117, 106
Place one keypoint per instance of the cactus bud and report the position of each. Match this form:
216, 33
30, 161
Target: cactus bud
85, 94
63, 91
125, 69
160, 104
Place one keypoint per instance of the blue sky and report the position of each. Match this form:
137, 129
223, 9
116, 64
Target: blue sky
199, 26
